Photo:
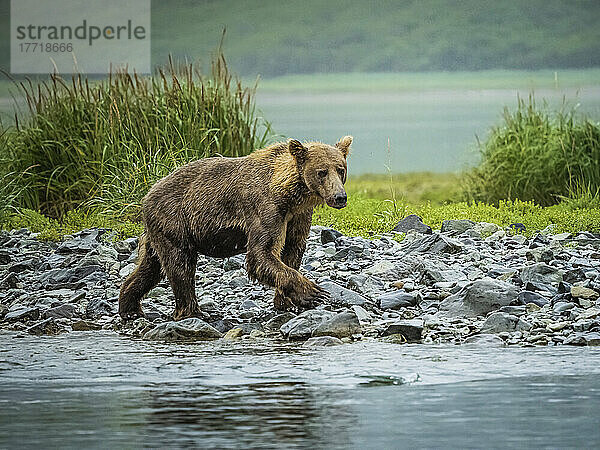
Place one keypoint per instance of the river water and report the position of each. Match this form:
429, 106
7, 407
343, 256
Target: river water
408, 131
99, 390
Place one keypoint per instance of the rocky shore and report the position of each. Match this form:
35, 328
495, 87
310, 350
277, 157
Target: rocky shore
469, 283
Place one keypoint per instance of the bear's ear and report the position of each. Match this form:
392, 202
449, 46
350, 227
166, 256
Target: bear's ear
297, 150
344, 145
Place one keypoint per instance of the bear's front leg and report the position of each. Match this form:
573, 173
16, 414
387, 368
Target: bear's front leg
264, 265
297, 231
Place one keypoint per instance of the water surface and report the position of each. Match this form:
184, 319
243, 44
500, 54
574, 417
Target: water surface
408, 131
100, 390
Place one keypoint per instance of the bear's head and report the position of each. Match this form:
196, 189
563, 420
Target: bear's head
323, 168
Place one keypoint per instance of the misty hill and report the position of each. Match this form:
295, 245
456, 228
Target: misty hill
271, 37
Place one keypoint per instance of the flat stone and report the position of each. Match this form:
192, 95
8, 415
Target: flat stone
302, 326
98, 307
344, 324
187, 329
435, 243
342, 296
584, 292
234, 333
479, 298
329, 235
541, 273
398, 299
322, 341
46, 327
412, 222
85, 325
526, 297
63, 311
276, 322
22, 314
380, 267
563, 306
488, 340
458, 226
587, 338
412, 330
499, 322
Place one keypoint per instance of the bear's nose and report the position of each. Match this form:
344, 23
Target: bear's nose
340, 198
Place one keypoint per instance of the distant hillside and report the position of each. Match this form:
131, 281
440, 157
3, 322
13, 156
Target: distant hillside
274, 37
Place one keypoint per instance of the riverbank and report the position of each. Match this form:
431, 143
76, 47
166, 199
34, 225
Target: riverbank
469, 283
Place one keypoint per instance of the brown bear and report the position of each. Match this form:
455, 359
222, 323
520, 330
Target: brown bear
261, 204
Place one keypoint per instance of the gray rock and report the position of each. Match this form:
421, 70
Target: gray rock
588, 338
563, 306
234, 263
412, 222
329, 235
458, 226
276, 322
523, 325
479, 298
47, 327
63, 311
98, 307
499, 322
532, 297
344, 324
10, 281
488, 340
342, 296
398, 299
21, 266
85, 325
362, 314
81, 242
435, 243
184, 330
22, 314
302, 326
322, 341
514, 310
412, 330
584, 292
541, 273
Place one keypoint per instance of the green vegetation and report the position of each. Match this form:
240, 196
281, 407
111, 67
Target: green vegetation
536, 155
411, 188
102, 145
370, 217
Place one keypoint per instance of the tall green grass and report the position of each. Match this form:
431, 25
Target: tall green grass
539, 156
103, 144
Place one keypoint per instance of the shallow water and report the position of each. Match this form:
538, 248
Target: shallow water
427, 131
101, 390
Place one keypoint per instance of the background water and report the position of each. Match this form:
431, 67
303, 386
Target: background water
428, 131
102, 391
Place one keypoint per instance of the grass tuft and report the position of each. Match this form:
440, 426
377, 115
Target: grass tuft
535, 155
102, 145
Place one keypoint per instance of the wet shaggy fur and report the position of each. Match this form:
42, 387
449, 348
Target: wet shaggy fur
261, 204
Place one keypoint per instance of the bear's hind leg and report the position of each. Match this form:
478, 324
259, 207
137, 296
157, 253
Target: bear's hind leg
179, 266
146, 275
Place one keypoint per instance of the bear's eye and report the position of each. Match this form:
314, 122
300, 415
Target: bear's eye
322, 173
342, 173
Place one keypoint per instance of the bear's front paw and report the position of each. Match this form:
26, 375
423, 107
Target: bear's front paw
310, 298
131, 315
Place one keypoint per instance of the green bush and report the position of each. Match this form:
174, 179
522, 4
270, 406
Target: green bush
103, 144
538, 156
